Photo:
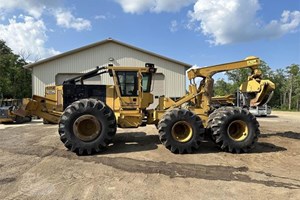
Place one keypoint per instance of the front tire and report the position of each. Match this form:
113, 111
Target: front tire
20, 120
87, 126
181, 131
234, 129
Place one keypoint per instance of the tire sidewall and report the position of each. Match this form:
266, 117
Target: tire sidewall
251, 130
168, 129
100, 116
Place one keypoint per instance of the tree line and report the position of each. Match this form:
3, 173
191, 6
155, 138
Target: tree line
287, 81
15, 81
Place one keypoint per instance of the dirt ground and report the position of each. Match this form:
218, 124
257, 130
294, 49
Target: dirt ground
35, 165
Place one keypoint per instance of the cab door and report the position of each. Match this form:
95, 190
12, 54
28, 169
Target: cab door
129, 87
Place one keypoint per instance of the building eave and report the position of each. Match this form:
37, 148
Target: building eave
31, 65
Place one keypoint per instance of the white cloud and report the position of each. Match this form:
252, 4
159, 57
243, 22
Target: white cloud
231, 21
223, 21
64, 18
174, 26
37, 8
106, 16
32, 7
100, 17
171, 5
135, 6
140, 6
25, 34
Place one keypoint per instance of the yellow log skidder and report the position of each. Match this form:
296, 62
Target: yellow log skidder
92, 113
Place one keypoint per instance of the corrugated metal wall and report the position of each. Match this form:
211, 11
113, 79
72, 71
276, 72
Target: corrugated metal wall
86, 60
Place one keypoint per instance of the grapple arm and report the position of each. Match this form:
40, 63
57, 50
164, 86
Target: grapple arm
259, 91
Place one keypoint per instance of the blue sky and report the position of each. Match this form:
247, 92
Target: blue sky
199, 32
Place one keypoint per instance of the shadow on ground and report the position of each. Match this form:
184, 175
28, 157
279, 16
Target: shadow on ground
133, 142
264, 147
272, 116
140, 141
261, 147
14, 123
269, 116
287, 134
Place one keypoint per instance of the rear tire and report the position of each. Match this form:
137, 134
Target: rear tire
19, 120
87, 126
45, 121
28, 119
181, 131
48, 122
234, 129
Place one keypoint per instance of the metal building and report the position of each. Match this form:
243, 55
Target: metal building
169, 81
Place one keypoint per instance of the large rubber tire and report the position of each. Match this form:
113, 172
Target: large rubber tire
19, 120
233, 129
102, 115
181, 131
28, 119
48, 122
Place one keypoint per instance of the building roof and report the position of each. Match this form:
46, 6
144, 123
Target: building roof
28, 66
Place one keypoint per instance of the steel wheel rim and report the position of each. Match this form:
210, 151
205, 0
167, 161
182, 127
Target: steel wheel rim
182, 131
87, 128
238, 130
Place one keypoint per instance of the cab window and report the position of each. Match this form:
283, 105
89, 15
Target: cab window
128, 83
146, 82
